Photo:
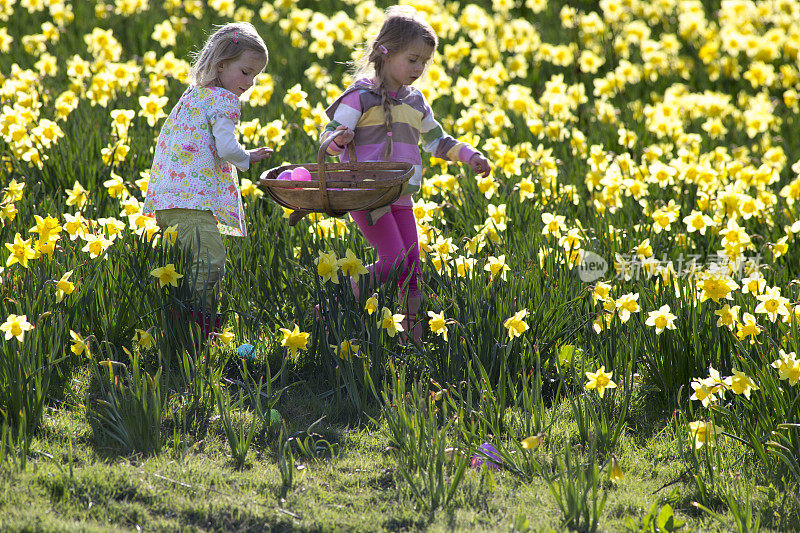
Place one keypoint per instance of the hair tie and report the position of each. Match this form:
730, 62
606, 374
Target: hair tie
236, 36
388, 133
383, 49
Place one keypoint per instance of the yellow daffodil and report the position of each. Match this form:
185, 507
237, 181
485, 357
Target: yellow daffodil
553, 224
740, 383
226, 336
13, 191
644, 249
392, 323
46, 227
626, 305
64, 287
170, 235
788, 366
352, 265
697, 221
115, 186
780, 247
728, 316
601, 292
532, 442
152, 108
703, 392
614, 471
600, 381
772, 304
8, 212
77, 195
572, 240
438, 324
79, 344
716, 287
516, 324
706, 389
75, 225
661, 319
166, 275
754, 284
464, 266
748, 328
347, 349
16, 326
95, 245
21, 251
250, 189
144, 339
372, 304
112, 226
294, 340
497, 266
121, 121
497, 216
328, 267
703, 433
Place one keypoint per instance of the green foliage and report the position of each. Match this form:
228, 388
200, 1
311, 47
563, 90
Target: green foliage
419, 432
129, 411
285, 462
657, 520
575, 490
240, 433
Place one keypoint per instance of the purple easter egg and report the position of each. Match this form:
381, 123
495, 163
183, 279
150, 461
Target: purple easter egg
487, 451
285, 175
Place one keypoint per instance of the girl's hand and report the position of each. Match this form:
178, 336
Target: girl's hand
260, 154
480, 164
345, 137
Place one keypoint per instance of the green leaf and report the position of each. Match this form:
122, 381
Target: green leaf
667, 520
566, 354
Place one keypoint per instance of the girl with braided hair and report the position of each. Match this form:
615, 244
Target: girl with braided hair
385, 118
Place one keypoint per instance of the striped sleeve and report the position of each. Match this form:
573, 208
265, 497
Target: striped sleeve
345, 111
437, 142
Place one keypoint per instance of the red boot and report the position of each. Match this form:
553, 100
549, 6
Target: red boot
208, 323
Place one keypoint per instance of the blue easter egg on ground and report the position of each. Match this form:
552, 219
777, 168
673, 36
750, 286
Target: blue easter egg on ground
247, 351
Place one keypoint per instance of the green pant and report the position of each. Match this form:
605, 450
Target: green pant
207, 254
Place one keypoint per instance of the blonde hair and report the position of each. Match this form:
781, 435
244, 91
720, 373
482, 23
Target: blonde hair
228, 43
401, 29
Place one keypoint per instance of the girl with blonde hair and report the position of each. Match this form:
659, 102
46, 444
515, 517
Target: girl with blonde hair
193, 183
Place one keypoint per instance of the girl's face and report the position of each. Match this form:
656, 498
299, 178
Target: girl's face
237, 76
405, 66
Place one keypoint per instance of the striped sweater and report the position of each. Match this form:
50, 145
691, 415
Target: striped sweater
359, 108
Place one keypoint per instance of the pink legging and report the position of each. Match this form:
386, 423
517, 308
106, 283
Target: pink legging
394, 236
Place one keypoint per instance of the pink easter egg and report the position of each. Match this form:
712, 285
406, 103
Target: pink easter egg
301, 174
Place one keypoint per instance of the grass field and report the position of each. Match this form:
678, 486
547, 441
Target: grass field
614, 309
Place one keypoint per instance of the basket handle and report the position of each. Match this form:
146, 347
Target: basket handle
323, 150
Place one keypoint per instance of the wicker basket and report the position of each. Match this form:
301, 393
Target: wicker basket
340, 187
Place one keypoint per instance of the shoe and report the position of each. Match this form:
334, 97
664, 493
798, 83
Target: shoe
208, 323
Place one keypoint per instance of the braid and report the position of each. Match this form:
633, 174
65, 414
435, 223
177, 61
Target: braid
401, 28
387, 119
